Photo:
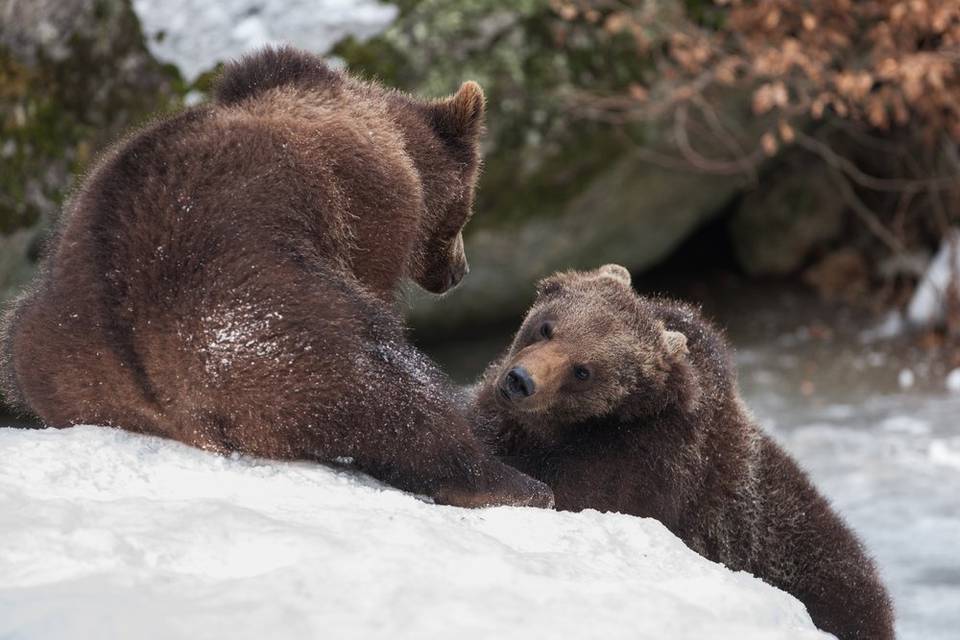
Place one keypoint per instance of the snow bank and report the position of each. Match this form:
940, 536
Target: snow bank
108, 534
197, 34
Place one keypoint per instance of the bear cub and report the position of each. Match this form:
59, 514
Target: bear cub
630, 404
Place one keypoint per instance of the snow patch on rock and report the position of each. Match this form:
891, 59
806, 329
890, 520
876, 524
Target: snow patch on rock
104, 533
928, 304
195, 35
953, 381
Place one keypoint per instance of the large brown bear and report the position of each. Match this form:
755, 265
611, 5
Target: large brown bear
623, 403
225, 277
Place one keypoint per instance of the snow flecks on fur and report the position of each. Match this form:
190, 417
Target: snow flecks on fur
409, 360
239, 331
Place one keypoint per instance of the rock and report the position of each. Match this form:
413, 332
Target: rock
775, 230
558, 190
634, 214
841, 275
18, 251
74, 74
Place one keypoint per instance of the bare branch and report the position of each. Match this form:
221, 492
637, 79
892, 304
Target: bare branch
866, 215
711, 165
866, 180
726, 137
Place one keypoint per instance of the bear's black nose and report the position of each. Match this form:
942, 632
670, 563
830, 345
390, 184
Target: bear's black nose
519, 384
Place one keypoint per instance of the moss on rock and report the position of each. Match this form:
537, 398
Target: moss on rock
74, 74
558, 189
529, 61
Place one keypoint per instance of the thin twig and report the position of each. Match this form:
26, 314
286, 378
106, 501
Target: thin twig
725, 136
695, 158
866, 180
866, 215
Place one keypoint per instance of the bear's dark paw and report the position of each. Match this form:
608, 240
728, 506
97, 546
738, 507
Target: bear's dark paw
509, 488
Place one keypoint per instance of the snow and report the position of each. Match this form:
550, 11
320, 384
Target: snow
927, 306
906, 378
891, 326
195, 35
105, 533
953, 381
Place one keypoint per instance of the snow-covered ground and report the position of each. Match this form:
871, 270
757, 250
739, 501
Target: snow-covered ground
105, 534
195, 35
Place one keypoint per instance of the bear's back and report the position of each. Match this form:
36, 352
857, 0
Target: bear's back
192, 206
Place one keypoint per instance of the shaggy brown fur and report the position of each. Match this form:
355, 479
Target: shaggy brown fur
622, 403
225, 277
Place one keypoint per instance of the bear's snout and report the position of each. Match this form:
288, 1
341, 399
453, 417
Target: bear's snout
518, 384
534, 378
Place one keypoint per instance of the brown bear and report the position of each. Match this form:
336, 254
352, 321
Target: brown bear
226, 277
630, 404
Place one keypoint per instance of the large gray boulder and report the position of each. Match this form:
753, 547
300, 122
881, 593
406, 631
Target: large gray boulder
74, 74
635, 214
558, 190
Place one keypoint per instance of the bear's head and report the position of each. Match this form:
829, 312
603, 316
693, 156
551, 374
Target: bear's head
443, 139
591, 347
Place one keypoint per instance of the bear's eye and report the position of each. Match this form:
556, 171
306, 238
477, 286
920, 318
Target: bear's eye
581, 373
546, 330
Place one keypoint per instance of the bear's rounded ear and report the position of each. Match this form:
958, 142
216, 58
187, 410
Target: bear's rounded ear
616, 272
676, 343
460, 117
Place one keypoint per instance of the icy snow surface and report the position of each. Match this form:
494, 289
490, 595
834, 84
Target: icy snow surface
197, 34
106, 534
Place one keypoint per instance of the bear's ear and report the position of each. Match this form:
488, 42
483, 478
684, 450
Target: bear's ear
616, 272
676, 343
460, 117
